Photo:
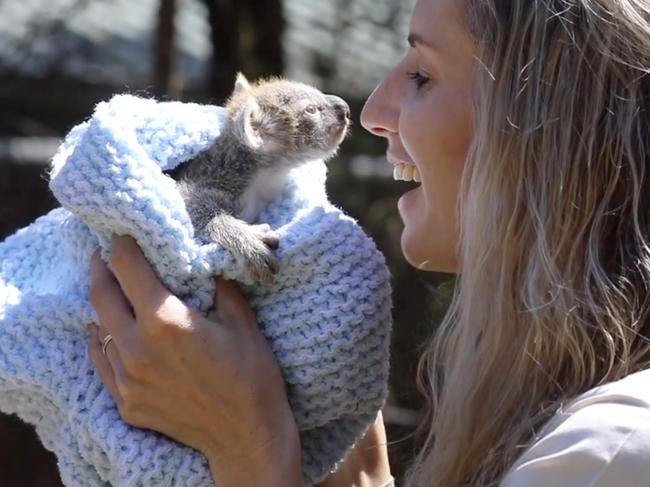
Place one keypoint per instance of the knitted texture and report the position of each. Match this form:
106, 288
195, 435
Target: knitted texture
327, 316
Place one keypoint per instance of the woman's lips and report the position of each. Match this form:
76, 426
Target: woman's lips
395, 160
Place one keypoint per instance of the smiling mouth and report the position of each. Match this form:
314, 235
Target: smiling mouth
406, 172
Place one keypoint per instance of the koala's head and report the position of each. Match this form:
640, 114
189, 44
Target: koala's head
289, 121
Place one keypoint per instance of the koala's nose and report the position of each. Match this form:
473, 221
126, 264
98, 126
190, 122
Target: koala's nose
341, 108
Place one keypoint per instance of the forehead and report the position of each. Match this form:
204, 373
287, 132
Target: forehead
441, 23
287, 91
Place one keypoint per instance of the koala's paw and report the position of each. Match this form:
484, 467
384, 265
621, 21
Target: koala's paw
256, 254
268, 236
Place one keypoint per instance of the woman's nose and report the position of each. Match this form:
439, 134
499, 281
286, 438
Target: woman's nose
380, 114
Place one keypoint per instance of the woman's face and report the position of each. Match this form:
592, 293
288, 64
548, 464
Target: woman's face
424, 110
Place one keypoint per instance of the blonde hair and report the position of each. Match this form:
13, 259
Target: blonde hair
553, 293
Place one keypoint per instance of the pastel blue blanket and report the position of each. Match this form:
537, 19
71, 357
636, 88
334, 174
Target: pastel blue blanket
327, 318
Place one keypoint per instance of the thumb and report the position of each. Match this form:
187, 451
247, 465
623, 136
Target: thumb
230, 306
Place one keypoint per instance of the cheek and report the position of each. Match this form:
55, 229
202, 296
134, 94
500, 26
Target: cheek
436, 127
435, 132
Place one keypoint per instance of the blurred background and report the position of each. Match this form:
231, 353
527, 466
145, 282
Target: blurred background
61, 57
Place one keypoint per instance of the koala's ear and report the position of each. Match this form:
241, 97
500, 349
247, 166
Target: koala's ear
241, 84
250, 126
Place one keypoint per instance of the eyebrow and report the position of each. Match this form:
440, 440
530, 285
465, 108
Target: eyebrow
415, 39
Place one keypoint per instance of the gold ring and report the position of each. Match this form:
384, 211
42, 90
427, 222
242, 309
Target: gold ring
107, 339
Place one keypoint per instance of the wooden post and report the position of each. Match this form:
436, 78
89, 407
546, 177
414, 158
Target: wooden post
224, 21
246, 36
165, 82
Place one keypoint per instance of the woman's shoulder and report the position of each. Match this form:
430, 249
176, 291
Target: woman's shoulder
633, 389
601, 438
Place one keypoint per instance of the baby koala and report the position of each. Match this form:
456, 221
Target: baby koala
273, 126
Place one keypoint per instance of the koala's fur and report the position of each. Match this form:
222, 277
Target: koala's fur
273, 126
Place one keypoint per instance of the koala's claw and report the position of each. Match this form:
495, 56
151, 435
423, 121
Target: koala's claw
257, 255
268, 236
251, 246
262, 266
271, 240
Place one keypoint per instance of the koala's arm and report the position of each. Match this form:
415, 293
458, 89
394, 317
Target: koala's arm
251, 245
203, 202
211, 212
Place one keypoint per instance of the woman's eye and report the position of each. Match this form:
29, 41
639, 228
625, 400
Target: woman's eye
312, 109
418, 78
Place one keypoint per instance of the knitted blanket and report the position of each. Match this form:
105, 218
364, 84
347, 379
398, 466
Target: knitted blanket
327, 316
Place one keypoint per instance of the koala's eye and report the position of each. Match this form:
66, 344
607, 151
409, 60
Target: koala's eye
312, 109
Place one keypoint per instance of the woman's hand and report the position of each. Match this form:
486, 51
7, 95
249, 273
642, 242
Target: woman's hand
210, 383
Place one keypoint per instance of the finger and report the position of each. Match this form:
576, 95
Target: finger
112, 349
102, 365
112, 307
136, 277
231, 305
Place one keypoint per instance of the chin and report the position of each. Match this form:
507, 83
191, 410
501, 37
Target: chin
424, 254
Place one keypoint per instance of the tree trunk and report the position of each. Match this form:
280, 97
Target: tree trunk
268, 24
246, 36
224, 32
165, 83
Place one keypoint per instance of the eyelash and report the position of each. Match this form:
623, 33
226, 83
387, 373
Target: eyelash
418, 78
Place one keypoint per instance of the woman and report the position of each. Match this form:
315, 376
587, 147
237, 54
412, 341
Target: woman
528, 123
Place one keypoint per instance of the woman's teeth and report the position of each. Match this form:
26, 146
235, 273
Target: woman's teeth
406, 172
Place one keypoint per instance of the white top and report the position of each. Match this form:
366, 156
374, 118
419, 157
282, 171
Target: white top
600, 439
